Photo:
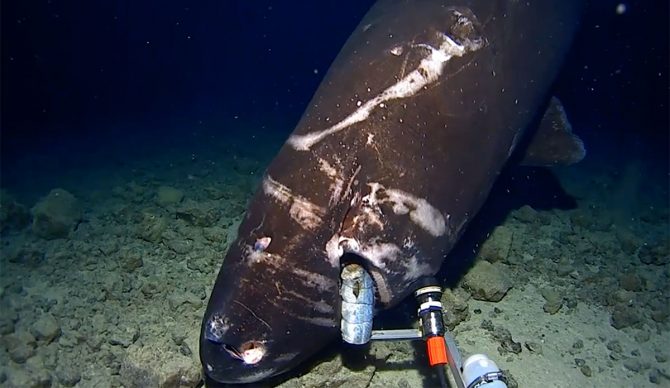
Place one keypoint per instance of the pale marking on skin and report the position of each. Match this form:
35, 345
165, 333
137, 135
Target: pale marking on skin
377, 253
334, 250
320, 305
314, 279
320, 321
328, 322
276, 190
305, 213
416, 270
349, 245
371, 215
351, 181
252, 378
257, 228
284, 357
252, 313
337, 245
514, 143
254, 256
374, 253
429, 71
422, 213
327, 168
337, 181
403, 68
336, 192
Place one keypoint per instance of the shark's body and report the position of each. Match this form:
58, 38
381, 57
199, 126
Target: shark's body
397, 151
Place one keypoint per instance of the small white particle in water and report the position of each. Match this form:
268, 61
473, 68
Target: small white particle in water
621, 9
359, 103
316, 71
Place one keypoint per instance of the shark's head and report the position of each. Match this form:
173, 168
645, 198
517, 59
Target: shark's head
238, 346
275, 303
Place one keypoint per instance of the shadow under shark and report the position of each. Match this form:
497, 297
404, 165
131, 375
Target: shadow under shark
395, 154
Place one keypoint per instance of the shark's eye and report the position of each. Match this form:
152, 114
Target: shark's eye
262, 243
216, 328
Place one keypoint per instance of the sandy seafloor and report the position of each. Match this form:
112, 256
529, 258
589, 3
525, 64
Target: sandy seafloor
119, 302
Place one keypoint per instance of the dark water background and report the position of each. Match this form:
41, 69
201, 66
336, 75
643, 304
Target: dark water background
123, 78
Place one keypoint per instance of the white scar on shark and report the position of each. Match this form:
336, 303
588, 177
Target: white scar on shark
420, 211
416, 269
429, 71
337, 182
305, 213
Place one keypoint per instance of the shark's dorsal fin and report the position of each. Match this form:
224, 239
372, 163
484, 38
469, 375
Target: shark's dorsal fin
554, 143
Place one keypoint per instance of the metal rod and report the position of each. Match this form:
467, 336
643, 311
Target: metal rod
394, 335
442, 375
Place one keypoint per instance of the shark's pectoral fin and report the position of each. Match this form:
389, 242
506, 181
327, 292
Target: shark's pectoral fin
554, 143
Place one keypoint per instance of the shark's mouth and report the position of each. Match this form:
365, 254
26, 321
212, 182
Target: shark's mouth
250, 352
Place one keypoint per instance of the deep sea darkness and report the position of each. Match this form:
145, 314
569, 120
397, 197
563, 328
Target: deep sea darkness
69, 68
72, 69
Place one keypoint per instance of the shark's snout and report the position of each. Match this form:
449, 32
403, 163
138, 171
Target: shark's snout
250, 352
230, 358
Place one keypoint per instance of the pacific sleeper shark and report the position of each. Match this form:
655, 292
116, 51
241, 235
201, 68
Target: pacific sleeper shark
395, 154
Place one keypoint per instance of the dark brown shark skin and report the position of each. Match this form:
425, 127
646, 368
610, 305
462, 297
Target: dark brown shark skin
395, 186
